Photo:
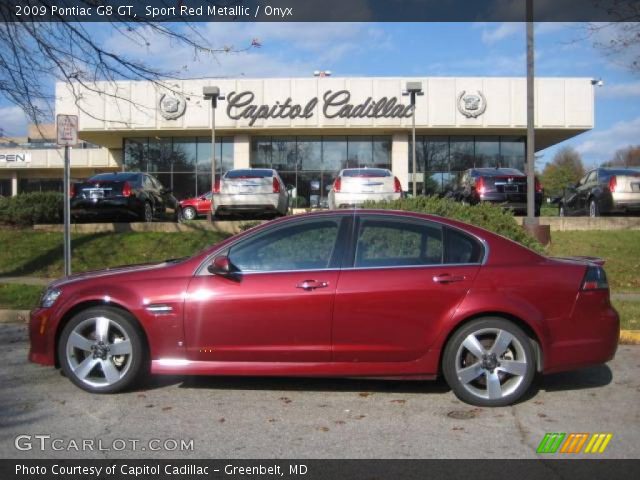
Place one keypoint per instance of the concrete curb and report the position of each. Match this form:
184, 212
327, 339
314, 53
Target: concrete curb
14, 316
629, 337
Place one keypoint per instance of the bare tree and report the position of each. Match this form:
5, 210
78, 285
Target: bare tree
34, 54
619, 40
625, 157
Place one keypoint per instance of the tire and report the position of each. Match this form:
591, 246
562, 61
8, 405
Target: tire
83, 358
594, 209
189, 213
147, 212
482, 378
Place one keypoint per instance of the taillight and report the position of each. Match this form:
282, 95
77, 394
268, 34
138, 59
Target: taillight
397, 186
337, 184
276, 185
216, 186
126, 190
538, 186
72, 190
480, 185
613, 184
595, 279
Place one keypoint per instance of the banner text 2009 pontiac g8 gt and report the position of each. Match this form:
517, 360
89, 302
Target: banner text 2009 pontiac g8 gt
351, 293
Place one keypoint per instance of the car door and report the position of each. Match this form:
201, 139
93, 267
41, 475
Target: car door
584, 191
203, 205
407, 276
571, 198
278, 306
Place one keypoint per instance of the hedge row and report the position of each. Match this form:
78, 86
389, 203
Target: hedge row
31, 208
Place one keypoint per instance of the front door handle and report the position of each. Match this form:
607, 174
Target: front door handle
308, 285
446, 278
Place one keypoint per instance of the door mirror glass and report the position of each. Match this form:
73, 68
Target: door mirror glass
220, 266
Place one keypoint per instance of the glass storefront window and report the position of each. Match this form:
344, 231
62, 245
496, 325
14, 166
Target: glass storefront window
487, 152
382, 152
5, 187
309, 153
184, 155
461, 153
512, 152
261, 152
283, 153
359, 152
334, 153
135, 154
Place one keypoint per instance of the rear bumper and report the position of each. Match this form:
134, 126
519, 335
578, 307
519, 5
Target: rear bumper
236, 202
85, 208
595, 331
517, 202
346, 200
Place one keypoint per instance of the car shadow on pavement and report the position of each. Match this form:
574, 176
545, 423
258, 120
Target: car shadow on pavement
586, 378
314, 384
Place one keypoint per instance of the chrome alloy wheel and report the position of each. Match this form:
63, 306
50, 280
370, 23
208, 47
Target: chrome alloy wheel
98, 352
148, 212
491, 363
189, 213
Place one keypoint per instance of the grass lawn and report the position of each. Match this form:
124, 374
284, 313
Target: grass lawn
629, 314
548, 210
15, 296
619, 248
40, 254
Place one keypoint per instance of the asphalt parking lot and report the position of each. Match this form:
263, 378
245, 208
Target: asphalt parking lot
309, 418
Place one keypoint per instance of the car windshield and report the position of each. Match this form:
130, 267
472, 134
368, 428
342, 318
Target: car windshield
114, 177
366, 172
250, 173
497, 172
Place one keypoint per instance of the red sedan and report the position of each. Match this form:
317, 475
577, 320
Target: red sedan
350, 293
191, 208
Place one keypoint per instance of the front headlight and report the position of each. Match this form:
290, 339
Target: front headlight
49, 297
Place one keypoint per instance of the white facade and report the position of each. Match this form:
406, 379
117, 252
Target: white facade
471, 106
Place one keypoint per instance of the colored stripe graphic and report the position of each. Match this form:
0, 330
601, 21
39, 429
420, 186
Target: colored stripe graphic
598, 443
551, 442
574, 443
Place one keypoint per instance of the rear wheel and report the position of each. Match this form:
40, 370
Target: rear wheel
489, 362
101, 350
594, 209
147, 212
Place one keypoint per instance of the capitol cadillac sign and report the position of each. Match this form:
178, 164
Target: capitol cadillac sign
334, 104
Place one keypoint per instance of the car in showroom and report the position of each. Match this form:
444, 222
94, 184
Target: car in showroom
192, 208
504, 186
355, 186
133, 196
349, 293
603, 191
250, 191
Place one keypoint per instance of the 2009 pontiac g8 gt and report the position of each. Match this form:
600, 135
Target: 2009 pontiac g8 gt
351, 293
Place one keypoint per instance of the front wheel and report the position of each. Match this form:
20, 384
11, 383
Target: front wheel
101, 350
489, 362
189, 213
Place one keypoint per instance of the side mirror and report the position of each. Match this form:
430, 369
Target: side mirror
220, 266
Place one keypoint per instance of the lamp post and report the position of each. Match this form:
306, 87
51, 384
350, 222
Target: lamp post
212, 93
413, 89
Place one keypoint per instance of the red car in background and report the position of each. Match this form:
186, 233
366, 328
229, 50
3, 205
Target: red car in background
192, 208
354, 293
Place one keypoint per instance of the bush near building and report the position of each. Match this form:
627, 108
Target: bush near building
31, 208
484, 215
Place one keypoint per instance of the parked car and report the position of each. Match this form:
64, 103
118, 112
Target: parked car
353, 293
354, 186
506, 186
121, 195
250, 191
192, 208
603, 191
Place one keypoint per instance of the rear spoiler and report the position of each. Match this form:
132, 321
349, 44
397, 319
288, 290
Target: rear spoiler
583, 259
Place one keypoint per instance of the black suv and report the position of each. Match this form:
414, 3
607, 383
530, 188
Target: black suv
128, 195
506, 186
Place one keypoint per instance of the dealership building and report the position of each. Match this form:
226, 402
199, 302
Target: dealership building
305, 128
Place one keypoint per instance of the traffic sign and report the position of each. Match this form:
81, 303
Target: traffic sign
67, 128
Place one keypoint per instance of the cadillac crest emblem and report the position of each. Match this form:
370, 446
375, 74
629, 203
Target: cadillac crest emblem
171, 105
471, 105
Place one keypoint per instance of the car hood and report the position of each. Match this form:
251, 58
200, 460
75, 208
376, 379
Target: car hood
107, 272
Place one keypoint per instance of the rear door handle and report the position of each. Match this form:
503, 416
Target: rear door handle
446, 278
312, 285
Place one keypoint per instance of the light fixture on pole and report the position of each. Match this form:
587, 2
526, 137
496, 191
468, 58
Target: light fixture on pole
322, 73
413, 89
597, 82
213, 94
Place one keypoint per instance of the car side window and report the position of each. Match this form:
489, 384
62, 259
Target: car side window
148, 185
461, 248
591, 177
390, 243
303, 246
583, 180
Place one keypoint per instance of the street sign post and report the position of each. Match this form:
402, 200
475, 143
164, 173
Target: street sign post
67, 135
